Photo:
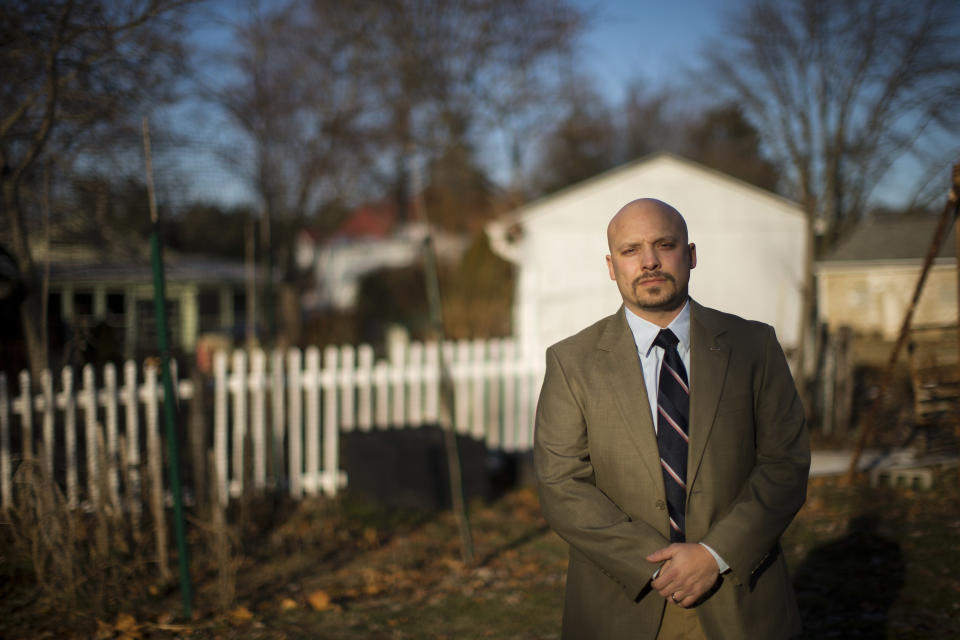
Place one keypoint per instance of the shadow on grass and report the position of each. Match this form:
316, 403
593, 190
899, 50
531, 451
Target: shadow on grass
846, 587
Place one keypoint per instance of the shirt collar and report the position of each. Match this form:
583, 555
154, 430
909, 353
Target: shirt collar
645, 332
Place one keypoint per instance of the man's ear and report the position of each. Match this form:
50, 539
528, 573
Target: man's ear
613, 276
692, 253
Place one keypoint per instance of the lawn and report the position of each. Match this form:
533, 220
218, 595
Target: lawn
868, 562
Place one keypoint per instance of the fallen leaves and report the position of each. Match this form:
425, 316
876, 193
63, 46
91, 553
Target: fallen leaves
125, 628
320, 600
241, 614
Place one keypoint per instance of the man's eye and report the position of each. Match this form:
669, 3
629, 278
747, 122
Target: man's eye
629, 251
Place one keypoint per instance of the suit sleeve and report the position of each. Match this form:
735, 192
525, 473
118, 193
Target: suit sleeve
776, 487
570, 500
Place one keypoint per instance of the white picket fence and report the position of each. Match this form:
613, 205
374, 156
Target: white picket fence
277, 416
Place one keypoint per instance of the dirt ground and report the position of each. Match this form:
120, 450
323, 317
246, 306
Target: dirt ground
868, 562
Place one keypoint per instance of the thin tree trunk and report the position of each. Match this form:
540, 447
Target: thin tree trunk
31, 310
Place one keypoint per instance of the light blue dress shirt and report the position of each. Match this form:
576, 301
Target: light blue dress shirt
651, 356
644, 333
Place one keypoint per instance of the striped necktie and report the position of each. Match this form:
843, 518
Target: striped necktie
673, 416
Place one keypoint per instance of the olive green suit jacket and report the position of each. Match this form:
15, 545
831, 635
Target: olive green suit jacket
601, 487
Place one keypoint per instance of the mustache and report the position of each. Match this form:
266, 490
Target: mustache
654, 275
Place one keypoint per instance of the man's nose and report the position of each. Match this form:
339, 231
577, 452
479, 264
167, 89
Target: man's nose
649, 259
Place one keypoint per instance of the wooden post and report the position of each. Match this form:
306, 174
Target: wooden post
955, 194
949, 214
457, 499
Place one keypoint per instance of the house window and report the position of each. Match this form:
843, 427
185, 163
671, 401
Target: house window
208, 306
83, 305
116, 309
239, 303
54, 308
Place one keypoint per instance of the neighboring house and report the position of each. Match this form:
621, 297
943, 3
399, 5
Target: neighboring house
370, 239
750, 248
868, 280
90, 288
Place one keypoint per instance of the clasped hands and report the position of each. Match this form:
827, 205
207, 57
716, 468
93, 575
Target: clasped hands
687, 573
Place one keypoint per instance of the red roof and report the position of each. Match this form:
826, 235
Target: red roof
373, 219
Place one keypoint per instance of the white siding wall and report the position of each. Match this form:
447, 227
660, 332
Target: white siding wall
750, 248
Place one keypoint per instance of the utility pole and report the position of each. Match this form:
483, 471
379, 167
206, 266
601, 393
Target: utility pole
173, 448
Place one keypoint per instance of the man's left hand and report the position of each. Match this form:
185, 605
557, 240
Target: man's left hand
688, 571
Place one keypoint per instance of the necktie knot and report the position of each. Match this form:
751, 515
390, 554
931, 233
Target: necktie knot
666, 339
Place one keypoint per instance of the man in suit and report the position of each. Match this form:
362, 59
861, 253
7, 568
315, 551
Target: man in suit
658, 550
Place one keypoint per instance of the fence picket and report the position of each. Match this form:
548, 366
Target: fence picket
131, 399
346, 380
492, 431
150, 394
327, 476
295, 432
381, 375
108, 399
6, 465
220, 390
26, 414
414, 378
431, 383
277, 417
69, 404
364, 380
238, 386
479, 384
258, 417
311, 383
277, 406
48, 407
508, 374
398, 396
87, 400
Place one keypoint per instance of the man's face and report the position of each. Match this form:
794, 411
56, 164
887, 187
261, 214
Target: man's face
650, 259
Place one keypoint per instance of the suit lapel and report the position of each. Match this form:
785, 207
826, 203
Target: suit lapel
624, 375
709, 356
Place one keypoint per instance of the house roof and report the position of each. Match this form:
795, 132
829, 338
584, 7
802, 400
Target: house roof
891, 238
77, 262
177, 269
506, 232
538, 206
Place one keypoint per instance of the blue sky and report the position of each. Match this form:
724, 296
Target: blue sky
655, 41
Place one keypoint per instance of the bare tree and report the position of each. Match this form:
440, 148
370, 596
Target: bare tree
840, 91
337, 99
723, 139
72, 73
299, 98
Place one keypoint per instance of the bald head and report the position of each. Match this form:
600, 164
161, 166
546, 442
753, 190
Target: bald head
650, 259
646, 207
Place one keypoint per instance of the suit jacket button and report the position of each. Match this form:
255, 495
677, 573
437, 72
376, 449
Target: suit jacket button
661, 505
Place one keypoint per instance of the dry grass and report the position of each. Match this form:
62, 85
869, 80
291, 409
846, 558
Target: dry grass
868, 562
